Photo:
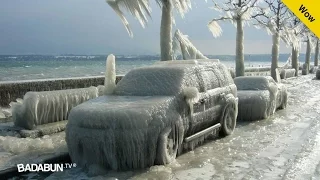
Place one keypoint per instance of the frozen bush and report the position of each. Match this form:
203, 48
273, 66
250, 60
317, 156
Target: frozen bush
49, 106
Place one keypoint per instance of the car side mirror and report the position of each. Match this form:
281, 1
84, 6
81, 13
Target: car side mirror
192, 96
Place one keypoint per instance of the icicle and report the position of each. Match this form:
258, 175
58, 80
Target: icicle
192, 97
110, 76
188, 50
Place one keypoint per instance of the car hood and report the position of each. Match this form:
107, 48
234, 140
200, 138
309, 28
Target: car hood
124, 112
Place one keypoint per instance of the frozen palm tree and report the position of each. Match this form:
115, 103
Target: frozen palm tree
188, 50
141, 10
277, 24
240, 13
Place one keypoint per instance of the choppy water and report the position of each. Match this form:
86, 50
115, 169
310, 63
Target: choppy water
43, 67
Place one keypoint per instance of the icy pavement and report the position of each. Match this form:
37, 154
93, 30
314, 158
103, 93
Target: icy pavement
285, 146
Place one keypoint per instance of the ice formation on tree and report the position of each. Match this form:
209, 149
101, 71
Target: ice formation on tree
49, 106
239, 13
277, 24
110, 75
147, 114
259, 97
187, 49
140, 9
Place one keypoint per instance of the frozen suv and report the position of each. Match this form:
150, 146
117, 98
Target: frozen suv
154, 114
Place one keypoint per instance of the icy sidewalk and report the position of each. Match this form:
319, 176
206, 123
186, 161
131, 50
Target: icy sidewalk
15, 150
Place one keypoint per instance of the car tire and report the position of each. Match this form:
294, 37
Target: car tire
229, 119
167, 147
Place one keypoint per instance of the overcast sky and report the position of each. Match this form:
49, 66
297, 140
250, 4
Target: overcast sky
92, 27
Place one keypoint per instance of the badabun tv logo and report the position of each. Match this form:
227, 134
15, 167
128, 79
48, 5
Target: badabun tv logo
44, 167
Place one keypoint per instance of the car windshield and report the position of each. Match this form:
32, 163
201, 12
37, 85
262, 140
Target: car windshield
153, 81
252, 83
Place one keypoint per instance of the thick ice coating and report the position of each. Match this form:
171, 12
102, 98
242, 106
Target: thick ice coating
146, 114
49, 106
259, 97
287, 73
110, 75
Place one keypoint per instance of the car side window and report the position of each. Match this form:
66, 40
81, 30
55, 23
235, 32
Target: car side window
210, 79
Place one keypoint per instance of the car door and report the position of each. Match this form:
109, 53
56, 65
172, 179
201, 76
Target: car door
207, 109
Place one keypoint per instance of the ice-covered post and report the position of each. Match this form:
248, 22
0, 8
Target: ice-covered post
110, 75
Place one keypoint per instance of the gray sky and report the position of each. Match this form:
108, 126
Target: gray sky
91, 27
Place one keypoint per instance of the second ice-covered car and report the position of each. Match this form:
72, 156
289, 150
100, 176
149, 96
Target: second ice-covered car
259, 97
154, 113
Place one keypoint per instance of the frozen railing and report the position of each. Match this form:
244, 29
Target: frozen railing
11, 90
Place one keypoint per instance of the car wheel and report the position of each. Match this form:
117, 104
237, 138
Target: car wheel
167, 147
228, 122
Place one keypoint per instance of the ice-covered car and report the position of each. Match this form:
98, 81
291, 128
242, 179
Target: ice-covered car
259, 97
154, 113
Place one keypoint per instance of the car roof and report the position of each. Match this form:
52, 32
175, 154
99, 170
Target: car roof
253, 82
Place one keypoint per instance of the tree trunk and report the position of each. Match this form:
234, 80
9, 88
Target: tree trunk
316, 57
275, 55
308, 55
166, 32
295, 60
239, 49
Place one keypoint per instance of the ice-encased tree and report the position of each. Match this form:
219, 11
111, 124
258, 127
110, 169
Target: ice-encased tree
316, 53
141, 9
240, 13
298, 31
309, 40
276, 24
182, 43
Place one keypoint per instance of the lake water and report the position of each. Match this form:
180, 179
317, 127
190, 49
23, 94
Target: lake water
26, 67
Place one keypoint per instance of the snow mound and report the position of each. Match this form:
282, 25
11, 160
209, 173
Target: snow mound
49, 106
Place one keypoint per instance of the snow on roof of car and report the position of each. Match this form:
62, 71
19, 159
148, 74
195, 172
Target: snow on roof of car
168, 78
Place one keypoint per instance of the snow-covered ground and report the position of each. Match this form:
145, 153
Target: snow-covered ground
285, 146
